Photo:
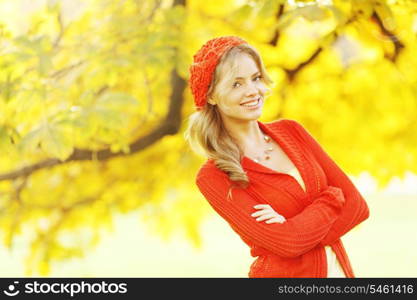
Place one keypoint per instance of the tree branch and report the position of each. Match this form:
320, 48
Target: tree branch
62, 30
274, 40
393, 38
169, 126
292, 72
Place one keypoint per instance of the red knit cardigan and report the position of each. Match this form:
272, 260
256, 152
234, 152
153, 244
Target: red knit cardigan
319, 216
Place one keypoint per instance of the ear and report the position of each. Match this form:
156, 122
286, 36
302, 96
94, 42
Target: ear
211, 101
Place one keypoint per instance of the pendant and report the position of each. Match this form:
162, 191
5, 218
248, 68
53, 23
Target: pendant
267, 151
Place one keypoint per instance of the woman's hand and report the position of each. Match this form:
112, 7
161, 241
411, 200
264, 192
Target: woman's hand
267, 213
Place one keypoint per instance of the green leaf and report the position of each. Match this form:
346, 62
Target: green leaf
285, 20
6, 145
117, 101
31, 141
243, 12
107, 118
56, 142
45, 64
25, 43
78, 127
312, 13
268, 9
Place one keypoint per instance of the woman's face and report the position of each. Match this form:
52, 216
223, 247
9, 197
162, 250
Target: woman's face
241, 97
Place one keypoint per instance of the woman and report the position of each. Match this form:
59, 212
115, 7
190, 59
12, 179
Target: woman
272, 182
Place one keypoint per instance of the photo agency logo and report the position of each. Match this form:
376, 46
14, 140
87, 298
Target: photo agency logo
11, 289
72, 289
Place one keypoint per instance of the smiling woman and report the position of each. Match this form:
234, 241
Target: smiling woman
273, 183
243, 82
223, 87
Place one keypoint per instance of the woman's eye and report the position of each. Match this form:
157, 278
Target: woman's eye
237, 84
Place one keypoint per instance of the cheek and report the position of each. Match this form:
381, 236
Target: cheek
262, 88
231, 99
227, 107
230, 104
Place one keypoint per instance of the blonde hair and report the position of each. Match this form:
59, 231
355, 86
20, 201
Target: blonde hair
206, 133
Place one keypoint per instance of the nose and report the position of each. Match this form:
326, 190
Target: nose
251, 90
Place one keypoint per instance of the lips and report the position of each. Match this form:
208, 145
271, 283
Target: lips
252, 101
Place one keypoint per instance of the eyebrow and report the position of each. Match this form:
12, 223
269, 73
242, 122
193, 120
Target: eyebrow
251, 76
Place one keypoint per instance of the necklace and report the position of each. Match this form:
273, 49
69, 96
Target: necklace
266, 153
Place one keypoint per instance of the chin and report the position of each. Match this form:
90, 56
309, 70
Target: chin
240, 116
252, 116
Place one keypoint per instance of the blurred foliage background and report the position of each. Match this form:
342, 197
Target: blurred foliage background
94, 101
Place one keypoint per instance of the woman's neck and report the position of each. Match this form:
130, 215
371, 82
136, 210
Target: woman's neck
247, 134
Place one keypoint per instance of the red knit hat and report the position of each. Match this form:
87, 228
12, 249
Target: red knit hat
205, 62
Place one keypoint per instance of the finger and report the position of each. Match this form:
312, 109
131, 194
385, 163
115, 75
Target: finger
266, 216
262, 212
278, 217
281, 218
275, 220
258, 206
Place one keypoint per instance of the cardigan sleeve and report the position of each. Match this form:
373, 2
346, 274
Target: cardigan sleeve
355, 209
292, 238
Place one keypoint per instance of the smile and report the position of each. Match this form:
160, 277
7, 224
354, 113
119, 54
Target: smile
252, 103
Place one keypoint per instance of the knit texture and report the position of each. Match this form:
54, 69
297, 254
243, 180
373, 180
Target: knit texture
328, 208
204, 64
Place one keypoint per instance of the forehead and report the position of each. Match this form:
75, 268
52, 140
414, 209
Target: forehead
242, 65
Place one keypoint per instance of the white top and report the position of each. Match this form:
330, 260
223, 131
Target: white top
334, 269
